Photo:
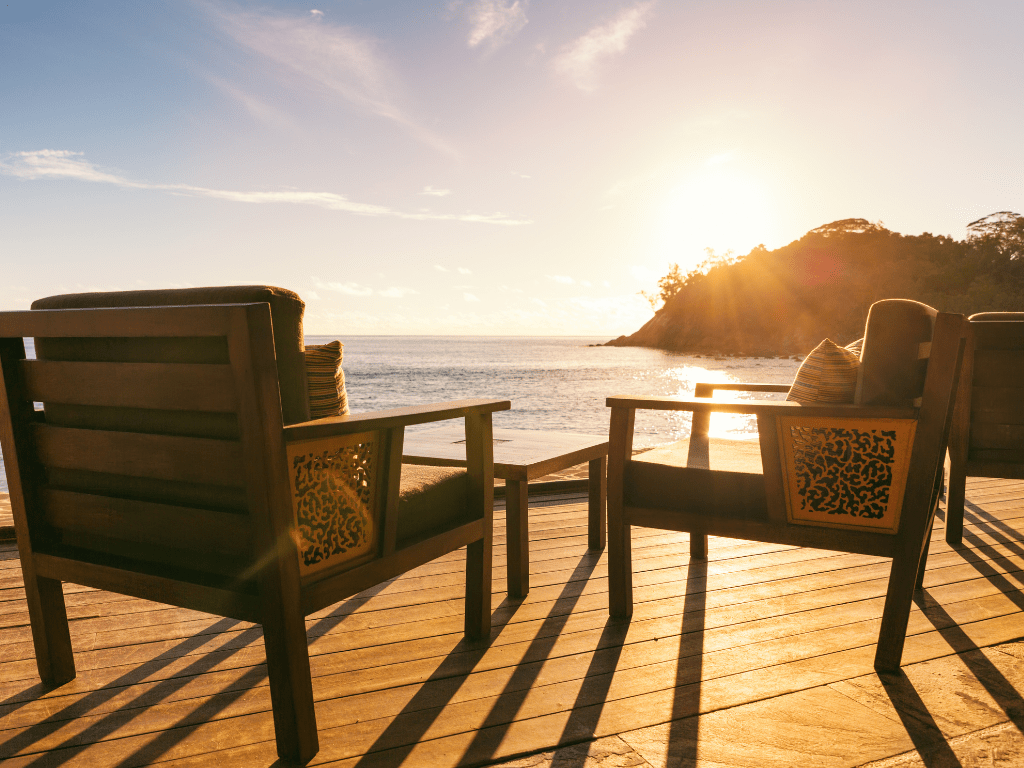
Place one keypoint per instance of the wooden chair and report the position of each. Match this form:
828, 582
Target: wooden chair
854, 478
987, 437
179, 482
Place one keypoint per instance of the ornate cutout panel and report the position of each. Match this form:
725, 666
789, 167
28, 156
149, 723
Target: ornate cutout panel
845, 473
334, 489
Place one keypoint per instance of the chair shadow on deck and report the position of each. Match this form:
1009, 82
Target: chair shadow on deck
924, 732
1003, 535
114, 720
684, 730
205, 712
216, 703
1002, 691
398, 740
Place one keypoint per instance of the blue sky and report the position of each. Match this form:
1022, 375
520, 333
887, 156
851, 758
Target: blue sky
484, 166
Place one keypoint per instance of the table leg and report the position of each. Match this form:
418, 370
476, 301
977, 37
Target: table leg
597, 503
517, 532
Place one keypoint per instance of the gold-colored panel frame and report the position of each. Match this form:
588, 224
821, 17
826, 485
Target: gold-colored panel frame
334, 484
845, 472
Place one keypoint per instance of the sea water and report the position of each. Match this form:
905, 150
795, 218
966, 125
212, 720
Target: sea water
555, 383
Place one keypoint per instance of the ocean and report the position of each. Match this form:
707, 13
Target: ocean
554, 382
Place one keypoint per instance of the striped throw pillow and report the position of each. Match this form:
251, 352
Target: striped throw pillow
827, 375
856, 346
326, 380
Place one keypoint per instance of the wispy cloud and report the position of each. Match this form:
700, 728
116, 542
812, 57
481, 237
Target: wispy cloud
563, 279
578, 62
469, 297
355, 289
463, 271
309, 52
349, 289
396, 293
429, 190
495, 22
62, 164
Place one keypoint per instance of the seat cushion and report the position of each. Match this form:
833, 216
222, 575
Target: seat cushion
286, 310
891, 370
724, 455
827, 375
431, 500
325, 380
732, 487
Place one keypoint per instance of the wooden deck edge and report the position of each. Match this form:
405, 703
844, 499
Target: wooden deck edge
549, 487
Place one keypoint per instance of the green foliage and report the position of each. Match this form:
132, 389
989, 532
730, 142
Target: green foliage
675, 281
787, 300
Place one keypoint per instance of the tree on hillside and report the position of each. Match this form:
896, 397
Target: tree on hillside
1003, 230
786, 300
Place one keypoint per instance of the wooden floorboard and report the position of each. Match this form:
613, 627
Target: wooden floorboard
759, 656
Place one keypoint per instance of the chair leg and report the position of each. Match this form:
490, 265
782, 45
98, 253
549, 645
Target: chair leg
698, 545
291, 687
896, 613
517, 539
919, 581
620, 563
957, 489
51, 637
478, 588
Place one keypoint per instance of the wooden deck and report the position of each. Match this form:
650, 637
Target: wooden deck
759, 657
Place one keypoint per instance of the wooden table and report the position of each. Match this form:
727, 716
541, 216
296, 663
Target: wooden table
522, 455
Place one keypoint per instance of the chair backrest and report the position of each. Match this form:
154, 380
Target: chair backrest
286, 309
893, 362
990, 411
189, 490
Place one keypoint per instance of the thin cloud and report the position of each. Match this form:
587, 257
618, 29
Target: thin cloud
563, 279
349, 289
309, 52
428, 190
494, 22
396, 293
355, 289
469, 297
62, 164
579, 61
439, 268
463, 271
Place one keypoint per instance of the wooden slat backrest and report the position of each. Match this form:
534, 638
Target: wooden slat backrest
996, 430
144, 460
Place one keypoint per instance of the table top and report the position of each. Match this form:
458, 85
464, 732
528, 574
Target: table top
519, 454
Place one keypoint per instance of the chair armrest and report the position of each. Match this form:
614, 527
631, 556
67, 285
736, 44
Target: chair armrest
707, 388
397, 417
760, 407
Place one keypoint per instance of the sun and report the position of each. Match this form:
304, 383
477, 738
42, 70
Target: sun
719, 207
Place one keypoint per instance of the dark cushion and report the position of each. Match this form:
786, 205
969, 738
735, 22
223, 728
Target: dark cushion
325, 380
431, 499
286, 316
891, 372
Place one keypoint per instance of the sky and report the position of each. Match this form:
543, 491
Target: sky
498, 167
